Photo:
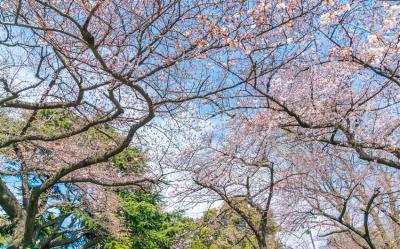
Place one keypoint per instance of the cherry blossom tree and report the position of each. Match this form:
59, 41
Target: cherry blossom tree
245, 169
327, 191
310, 90
80, 78
331, 112
244, 190
345, 201
349, 108
355, 202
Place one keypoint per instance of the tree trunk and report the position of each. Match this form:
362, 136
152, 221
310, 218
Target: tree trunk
18, 235
262, 245
25, 226
262, 242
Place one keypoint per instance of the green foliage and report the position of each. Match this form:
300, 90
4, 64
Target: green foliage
8, 127
56, 119
5, 231
124, 242
149, 227
87, 221
131, 160
223, 228
46, 122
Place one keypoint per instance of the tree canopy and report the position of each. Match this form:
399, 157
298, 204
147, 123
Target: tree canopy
119, 117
